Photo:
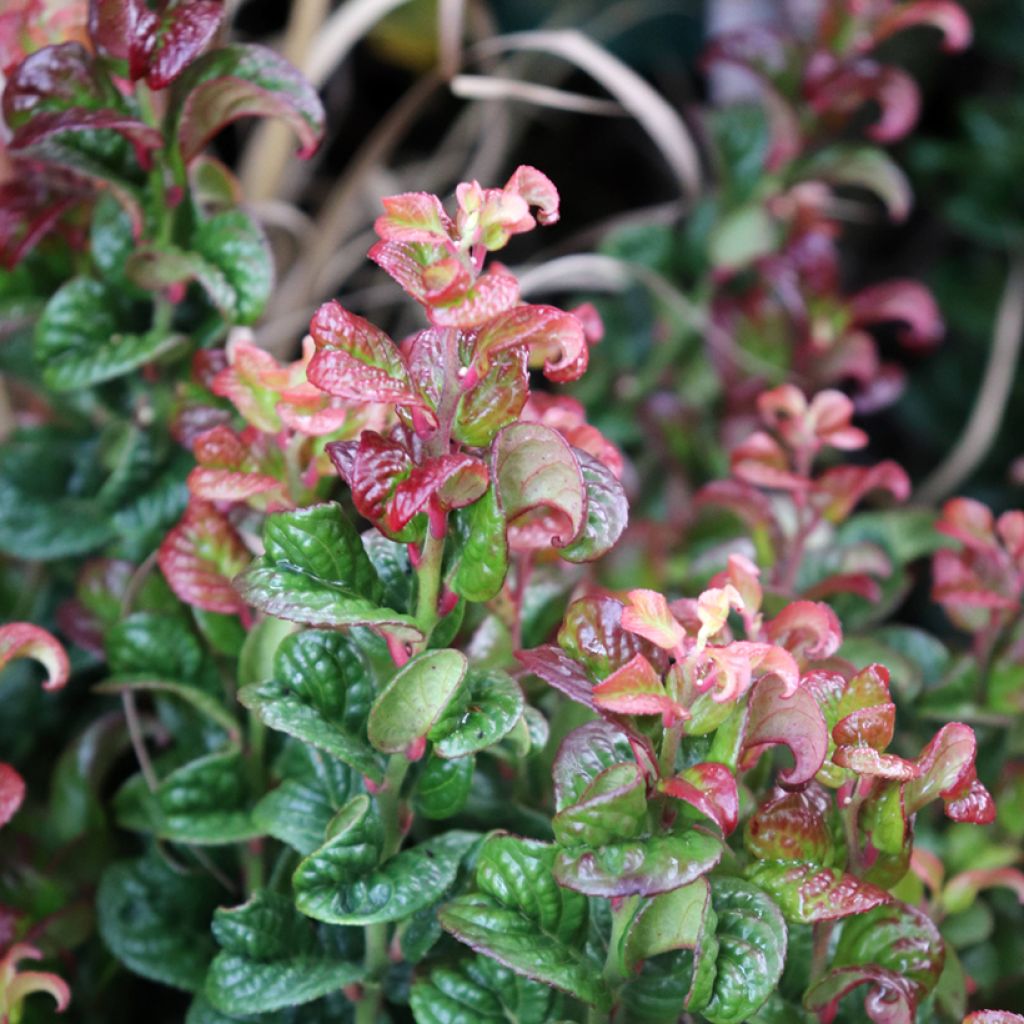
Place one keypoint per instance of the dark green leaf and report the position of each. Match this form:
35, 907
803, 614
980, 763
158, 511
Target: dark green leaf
481, 560
342, 882
523, 919
80, 339
321, 694
271, 957
478, 990
607, 511
443, 786
156, 921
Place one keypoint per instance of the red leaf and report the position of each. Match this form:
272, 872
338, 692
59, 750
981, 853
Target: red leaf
710, 788
807, 629
379, 465
358, 361
188, 29
851, 85
794, 721
946, 770
200, 557
636, 689
234, 467
908, 302
24, 640
557, 669
452, 481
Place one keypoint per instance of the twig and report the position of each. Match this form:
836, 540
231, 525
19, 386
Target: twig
990, 405
650, 109
488, 87
131, 716
451, 17
267, 154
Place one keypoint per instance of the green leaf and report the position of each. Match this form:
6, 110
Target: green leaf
321, 694
111, 241
80, 341
154, 268
147, 643
670, 921
312, 790
523, 919
315, 570
443, 786
342, 882
391, 561
482, 713
613, 806
235, 244
864, 167
751, 939
481, 991
894, 949
42, 472
206, 802
156, 921
583, 755
642, 866
415, 699
271, 957
481, 559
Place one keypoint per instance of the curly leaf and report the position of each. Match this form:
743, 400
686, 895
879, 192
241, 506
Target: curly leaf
523, 919
343, 883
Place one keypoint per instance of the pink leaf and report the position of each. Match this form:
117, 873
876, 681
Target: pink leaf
537, 189
12, 792
358, 361
199, 558
946, 770
233, 467
711, 789
452, 481
807, 629
847, 88
793, 720
908, 302
842, 488
945, 15
553, 338
24, 640
636, 689
413, 217
647, 614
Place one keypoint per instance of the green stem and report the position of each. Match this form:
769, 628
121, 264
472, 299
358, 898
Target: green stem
822, 932
429, 578
376, 957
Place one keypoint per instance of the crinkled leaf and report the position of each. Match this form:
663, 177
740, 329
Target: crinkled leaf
495, 401
584, 754
481, 559
478, 990
613, 806
896, 951
156, 921
523, 919
592, 632
321, 694
482, 713
271, 957
800, 860
342, 882
206, 802
79, 339
315, 570
200, 557
751, 937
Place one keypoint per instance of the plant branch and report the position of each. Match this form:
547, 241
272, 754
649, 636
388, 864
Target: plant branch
990, 405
